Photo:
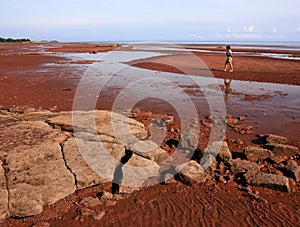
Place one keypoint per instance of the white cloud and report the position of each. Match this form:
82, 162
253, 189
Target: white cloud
274, 30
249, 28
228, 29
240, 35
298, 29
247, 35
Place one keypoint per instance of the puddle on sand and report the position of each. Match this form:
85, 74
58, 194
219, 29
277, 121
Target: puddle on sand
269, 107
181, 48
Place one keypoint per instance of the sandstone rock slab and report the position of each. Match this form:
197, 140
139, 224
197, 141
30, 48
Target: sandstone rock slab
85, 160
255, 154
275, 139
281, 152
272, 181
149, 150
37, 179
238, 167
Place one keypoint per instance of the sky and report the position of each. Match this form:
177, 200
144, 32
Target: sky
151, 20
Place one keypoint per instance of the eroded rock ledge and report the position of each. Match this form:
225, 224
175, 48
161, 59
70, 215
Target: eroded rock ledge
45, 157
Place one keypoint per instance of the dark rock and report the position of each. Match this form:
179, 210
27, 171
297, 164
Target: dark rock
293, 171
254, 154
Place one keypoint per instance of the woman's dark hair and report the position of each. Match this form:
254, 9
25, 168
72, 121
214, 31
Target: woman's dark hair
228, 47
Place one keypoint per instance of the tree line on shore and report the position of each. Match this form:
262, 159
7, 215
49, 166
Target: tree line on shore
10, 40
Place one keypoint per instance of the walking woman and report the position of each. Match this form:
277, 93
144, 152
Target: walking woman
229, 59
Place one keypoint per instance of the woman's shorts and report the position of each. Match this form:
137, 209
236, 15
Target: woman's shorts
229, 59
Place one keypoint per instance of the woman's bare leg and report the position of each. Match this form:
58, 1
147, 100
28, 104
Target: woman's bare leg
231, 66
225, 67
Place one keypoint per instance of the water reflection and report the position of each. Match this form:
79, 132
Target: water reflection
227, 91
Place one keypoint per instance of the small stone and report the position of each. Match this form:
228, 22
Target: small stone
169, 120
219, 149
111, 203
209, 117
90, 202
191, 173
99, 216
228, 116
106, 195
231, 121
128, 190
86, 212
206, 124
242, 128
224, 153
255, 154
169, 178
158, 122
222, 180
242, 118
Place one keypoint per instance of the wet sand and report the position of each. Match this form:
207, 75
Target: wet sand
29, 77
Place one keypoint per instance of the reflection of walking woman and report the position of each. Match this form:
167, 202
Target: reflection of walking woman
227, 84
229, 59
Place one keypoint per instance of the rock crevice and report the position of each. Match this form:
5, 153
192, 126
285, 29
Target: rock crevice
66, 164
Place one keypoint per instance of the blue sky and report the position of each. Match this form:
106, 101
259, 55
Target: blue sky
151, 20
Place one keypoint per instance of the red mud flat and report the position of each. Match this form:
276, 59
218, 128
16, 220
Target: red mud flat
175, 205
23, 84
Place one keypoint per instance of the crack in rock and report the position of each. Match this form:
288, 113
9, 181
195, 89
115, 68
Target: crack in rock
66, 164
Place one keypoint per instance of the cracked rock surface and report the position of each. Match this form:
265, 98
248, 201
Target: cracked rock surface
42, 162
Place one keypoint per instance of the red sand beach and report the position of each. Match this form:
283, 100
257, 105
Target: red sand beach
40, 75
